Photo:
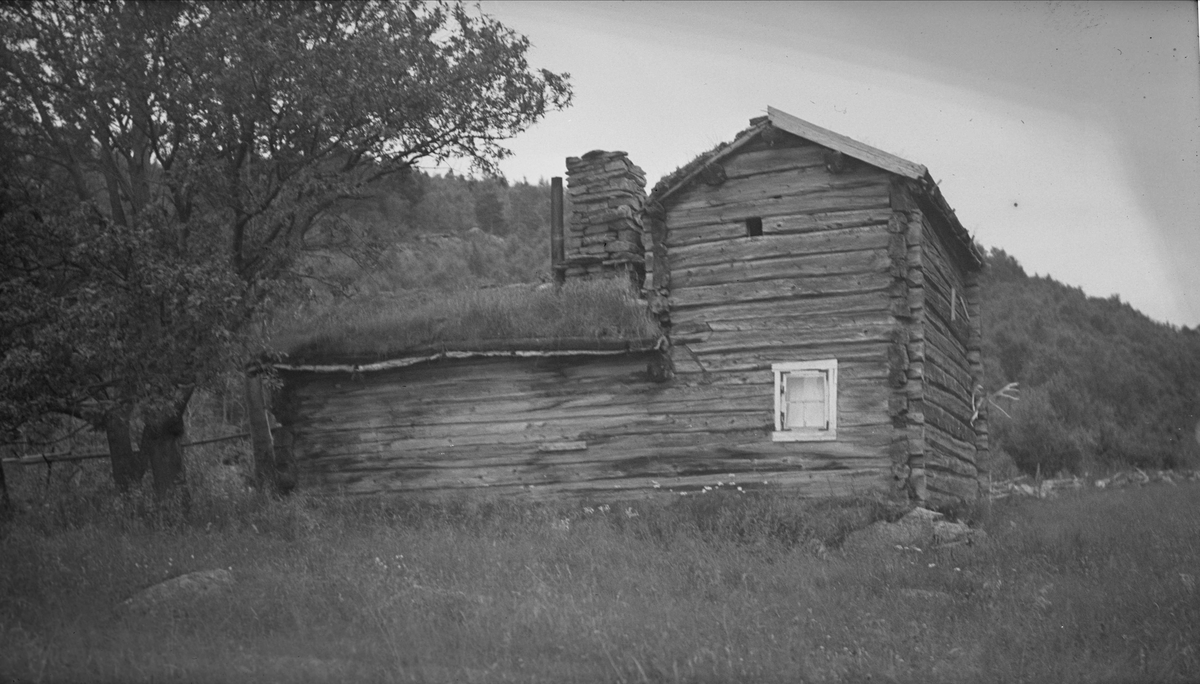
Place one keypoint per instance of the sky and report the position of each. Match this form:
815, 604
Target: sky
1065, 133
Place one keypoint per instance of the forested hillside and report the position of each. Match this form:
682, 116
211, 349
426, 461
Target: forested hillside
1102, 385
443, 232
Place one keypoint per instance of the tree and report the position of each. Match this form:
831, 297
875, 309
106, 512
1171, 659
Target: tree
209, 146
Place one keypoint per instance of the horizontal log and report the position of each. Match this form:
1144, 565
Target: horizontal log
817, 286
856, 303
946, 487
940, 419
805, 180
682, 237
813, 341
474, 399
947, 356
858, 401
872, 369
784, 267
871, 195
935, 375
871, 237
949, 447
749, 360
727, 464
803, 484
773, 160
871, 324
746, 446
958, 405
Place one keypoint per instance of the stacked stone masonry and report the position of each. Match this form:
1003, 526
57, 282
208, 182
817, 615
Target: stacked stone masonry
607, 193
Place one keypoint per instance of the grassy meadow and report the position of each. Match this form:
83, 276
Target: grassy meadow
722, 586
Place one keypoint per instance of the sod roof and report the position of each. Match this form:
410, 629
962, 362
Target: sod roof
581, 316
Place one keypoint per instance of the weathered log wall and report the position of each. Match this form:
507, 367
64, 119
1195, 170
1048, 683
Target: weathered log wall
940, 337
780, 250
816, 284
544, 427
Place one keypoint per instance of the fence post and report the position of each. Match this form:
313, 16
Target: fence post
260, 433
557, 244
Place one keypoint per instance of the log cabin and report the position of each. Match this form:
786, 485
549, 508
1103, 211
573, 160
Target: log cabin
819, 323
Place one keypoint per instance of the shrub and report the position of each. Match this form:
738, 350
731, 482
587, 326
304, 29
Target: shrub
1037, 437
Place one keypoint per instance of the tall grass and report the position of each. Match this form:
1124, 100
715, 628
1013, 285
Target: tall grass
382, 325
723, 586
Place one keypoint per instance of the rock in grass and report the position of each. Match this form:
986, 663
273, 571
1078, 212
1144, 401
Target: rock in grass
918, 530
168, 592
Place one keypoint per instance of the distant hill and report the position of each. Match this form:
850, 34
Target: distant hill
1102, 385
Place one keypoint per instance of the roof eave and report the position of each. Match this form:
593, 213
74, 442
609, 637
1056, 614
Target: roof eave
931, 190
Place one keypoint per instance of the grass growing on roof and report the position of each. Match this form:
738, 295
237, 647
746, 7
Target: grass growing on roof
382, 326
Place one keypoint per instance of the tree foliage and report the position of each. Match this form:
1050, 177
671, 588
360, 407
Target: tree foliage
1102, 385
169, 164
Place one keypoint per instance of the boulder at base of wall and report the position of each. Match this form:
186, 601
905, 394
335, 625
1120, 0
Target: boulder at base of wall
918, 530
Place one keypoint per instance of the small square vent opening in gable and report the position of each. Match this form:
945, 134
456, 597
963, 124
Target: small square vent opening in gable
754, 227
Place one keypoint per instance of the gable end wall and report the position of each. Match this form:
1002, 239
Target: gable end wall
819, 283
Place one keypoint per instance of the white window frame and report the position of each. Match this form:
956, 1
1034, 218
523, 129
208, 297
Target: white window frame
829, 367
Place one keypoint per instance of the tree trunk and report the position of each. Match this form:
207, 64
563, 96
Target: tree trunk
265, 475
128, 466
162, 442
5, 503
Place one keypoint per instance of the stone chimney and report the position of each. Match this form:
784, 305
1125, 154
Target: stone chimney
607, 194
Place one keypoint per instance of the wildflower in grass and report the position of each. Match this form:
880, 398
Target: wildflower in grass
604, 508
630, 513
561, 525
588, 510
655, 484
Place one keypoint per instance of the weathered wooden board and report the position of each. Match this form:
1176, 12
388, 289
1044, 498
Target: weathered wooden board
804, 181
487, 424
803, 484
852, 304
686, 236
757, 159
737, 361
783, 267
774, 246
800, 286
814, 339
870, 195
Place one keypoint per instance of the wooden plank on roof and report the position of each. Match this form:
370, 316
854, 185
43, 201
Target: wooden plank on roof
848, 146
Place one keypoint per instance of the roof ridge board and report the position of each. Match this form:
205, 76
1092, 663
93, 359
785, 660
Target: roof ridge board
848, 146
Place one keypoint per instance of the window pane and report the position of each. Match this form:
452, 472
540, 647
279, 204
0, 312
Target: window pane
806, 400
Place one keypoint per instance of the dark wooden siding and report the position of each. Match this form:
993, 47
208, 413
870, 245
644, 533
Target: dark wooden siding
949, 377
815, 285
543, 427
